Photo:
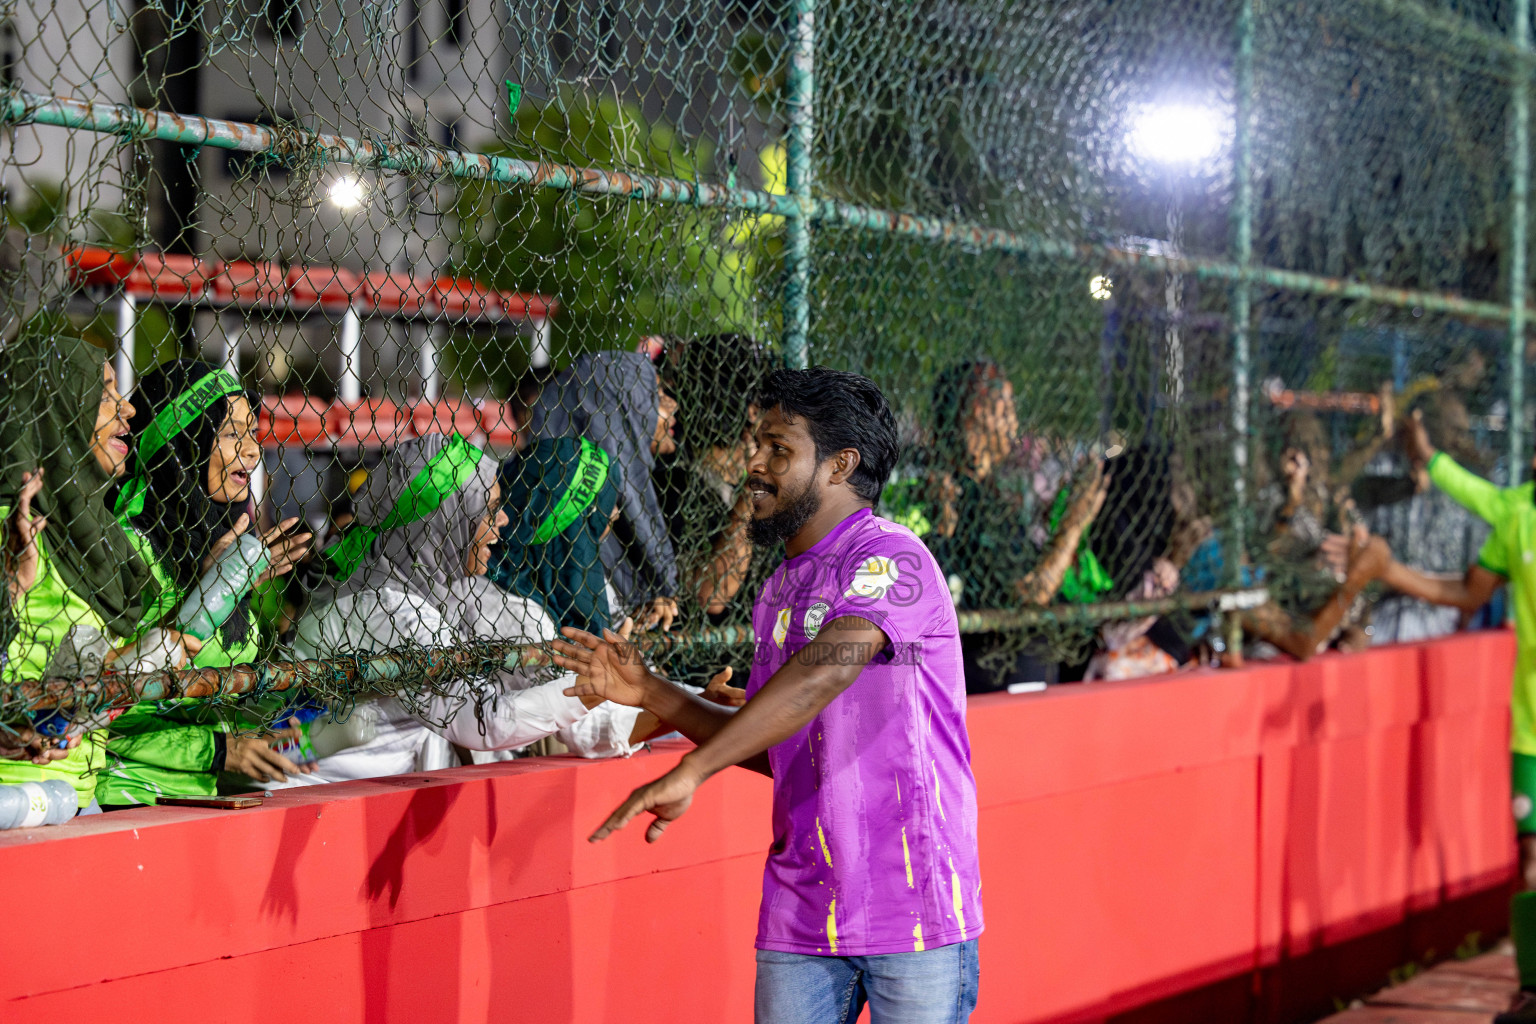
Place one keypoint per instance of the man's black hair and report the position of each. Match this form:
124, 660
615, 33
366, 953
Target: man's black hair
841, 410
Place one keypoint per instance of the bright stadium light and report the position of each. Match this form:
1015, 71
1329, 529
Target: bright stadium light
348, 192
1101, 288
1177, 134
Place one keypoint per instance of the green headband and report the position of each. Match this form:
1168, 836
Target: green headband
591, 474
444, 474
170, 421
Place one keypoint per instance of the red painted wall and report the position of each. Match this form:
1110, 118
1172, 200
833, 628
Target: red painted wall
1140, 842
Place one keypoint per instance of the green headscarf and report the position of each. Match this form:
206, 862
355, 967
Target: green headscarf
50, 391
559, 496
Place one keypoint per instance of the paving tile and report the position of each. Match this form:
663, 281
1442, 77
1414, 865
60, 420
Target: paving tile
1490, 965
1456, 992
1405, 1015
1447, 990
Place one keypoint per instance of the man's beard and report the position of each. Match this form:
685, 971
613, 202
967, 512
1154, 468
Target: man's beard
787, 519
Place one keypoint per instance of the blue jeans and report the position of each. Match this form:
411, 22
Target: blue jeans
936, 986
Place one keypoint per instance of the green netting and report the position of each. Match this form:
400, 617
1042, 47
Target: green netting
1153, 250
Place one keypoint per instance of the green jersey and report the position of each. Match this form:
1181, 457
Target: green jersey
167, 748
1509, 551
44, 616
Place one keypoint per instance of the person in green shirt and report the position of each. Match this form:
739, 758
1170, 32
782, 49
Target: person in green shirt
186, 500
992, 534
69, 567
1508, 555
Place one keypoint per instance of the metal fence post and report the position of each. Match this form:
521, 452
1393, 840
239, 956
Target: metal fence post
801, 98
1242, 293
1520, 187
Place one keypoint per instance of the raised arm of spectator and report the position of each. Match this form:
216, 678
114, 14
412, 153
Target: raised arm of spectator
1041, 583
1301, 640
1354, 462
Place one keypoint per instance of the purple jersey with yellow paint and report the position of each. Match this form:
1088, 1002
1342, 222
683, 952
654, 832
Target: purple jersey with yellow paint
874, 804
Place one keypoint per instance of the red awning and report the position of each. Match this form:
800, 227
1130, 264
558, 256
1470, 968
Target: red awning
176, 279
296, 420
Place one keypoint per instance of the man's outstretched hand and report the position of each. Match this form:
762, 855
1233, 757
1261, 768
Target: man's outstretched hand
667, 798
610, 668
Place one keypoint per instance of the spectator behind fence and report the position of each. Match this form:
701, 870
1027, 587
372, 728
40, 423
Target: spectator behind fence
1136, 523
703, 489
559, 497
1295, 514
615, 400
1127, 651
75, 582
186, 500
1428, 530
1317, 558
412, 574
1149, 528
982, 526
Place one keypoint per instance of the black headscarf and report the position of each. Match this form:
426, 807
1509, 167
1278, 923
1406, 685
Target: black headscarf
561, 569
50, 392
179, 518
1137, 521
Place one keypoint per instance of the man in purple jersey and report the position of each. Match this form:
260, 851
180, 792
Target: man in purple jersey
856, 709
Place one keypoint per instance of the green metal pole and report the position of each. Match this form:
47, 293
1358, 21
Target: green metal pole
801, 94
299, 146
295, 146
1242, 290
1519, 203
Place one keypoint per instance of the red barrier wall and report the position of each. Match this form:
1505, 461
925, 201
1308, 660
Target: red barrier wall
1248, 843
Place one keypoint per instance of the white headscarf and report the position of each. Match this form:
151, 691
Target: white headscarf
427, 557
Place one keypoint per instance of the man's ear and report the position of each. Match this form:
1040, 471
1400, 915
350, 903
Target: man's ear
843, 465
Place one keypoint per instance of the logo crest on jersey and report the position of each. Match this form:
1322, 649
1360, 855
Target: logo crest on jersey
781, 627
814, 617
873, 579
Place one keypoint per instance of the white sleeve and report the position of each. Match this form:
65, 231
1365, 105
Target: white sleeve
603, 732
369, 621
509, 719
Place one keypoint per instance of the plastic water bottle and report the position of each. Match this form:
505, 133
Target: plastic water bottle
156, 649
215, 596
29, 804
320, 736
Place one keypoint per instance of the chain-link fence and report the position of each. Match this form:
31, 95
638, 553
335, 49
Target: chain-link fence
1149, 286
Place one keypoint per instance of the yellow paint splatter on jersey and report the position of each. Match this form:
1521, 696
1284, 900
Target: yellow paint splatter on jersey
906, 855
957, 898
832, 924
823, 837
917, 937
